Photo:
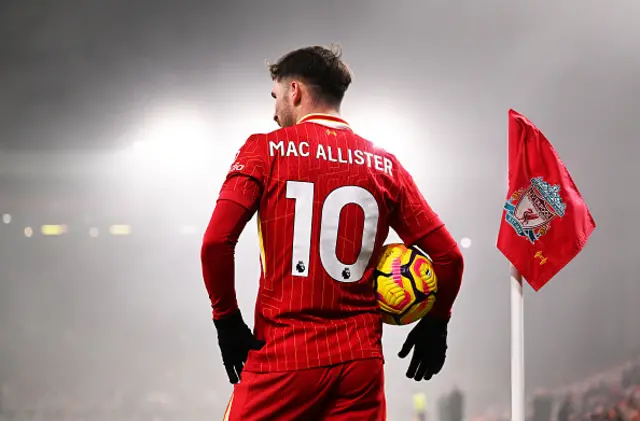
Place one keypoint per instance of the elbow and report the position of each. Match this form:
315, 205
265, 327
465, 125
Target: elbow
211, 246
449, 270
457, 259
450, 265
451, 258
216, 245
457, 265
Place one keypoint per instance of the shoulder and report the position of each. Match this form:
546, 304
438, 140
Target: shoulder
260, 141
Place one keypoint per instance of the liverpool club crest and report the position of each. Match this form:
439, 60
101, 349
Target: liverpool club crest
530, 210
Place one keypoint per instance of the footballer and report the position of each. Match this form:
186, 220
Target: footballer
325, 200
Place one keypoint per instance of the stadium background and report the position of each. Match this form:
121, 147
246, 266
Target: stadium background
129, 113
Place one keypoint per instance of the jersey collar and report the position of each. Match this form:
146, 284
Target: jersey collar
328, 120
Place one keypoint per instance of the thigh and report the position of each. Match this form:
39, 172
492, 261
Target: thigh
359, 393
281, 396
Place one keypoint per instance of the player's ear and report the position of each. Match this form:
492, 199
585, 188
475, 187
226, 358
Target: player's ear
295, 92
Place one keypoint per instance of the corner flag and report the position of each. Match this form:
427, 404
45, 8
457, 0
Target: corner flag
545, 224
545, 221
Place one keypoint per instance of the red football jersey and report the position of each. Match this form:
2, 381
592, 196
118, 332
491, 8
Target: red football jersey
328, 198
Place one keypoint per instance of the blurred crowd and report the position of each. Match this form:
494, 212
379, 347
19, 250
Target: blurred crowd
614, 400
613, 395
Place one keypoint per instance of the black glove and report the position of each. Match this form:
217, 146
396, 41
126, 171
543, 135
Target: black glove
429, 340
235, 340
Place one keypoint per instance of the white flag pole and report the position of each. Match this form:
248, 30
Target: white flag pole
517, 347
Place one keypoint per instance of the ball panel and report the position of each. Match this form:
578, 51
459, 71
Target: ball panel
405, 284
388, 254
422, 268
394, 295
420, 310
389, 319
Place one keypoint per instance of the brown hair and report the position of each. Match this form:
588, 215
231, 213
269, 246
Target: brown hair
319, 67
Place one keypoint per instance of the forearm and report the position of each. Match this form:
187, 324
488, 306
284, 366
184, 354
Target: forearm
448, 265
217, 255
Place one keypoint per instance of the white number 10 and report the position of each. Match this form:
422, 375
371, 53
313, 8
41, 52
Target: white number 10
303, 194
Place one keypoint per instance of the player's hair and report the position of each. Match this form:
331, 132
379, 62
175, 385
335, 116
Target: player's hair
319, 67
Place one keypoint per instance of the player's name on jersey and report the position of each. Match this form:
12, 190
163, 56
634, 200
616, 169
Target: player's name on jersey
340, 155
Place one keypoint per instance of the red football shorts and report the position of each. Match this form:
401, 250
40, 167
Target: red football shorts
351, 391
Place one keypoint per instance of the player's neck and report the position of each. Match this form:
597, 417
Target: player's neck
319, 110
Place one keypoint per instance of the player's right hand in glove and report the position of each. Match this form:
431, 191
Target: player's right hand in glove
429, 342
235, 340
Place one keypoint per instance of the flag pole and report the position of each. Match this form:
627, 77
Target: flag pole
517, 347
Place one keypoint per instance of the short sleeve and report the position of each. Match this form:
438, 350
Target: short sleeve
245, 179
250, 160
412, 218
243, 190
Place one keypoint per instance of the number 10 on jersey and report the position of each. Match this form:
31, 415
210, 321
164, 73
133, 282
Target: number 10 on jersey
303, 194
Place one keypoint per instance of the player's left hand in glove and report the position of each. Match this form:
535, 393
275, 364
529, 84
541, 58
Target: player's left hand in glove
235, 340
429, 342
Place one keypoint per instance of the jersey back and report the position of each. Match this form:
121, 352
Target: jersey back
328, 199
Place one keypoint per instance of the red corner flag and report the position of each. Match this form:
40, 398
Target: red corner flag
546, 222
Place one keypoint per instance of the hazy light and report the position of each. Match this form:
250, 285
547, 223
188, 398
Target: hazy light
174, 143
28, 232
382, 125
119, 230
50, 230
465, 242
94, 232
419, 402
6, 218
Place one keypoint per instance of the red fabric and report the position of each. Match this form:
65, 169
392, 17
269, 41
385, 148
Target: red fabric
217, 255
317, 311
448, 265
538, 238
242, 189
346, 392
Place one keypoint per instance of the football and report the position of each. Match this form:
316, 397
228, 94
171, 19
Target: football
405, 284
